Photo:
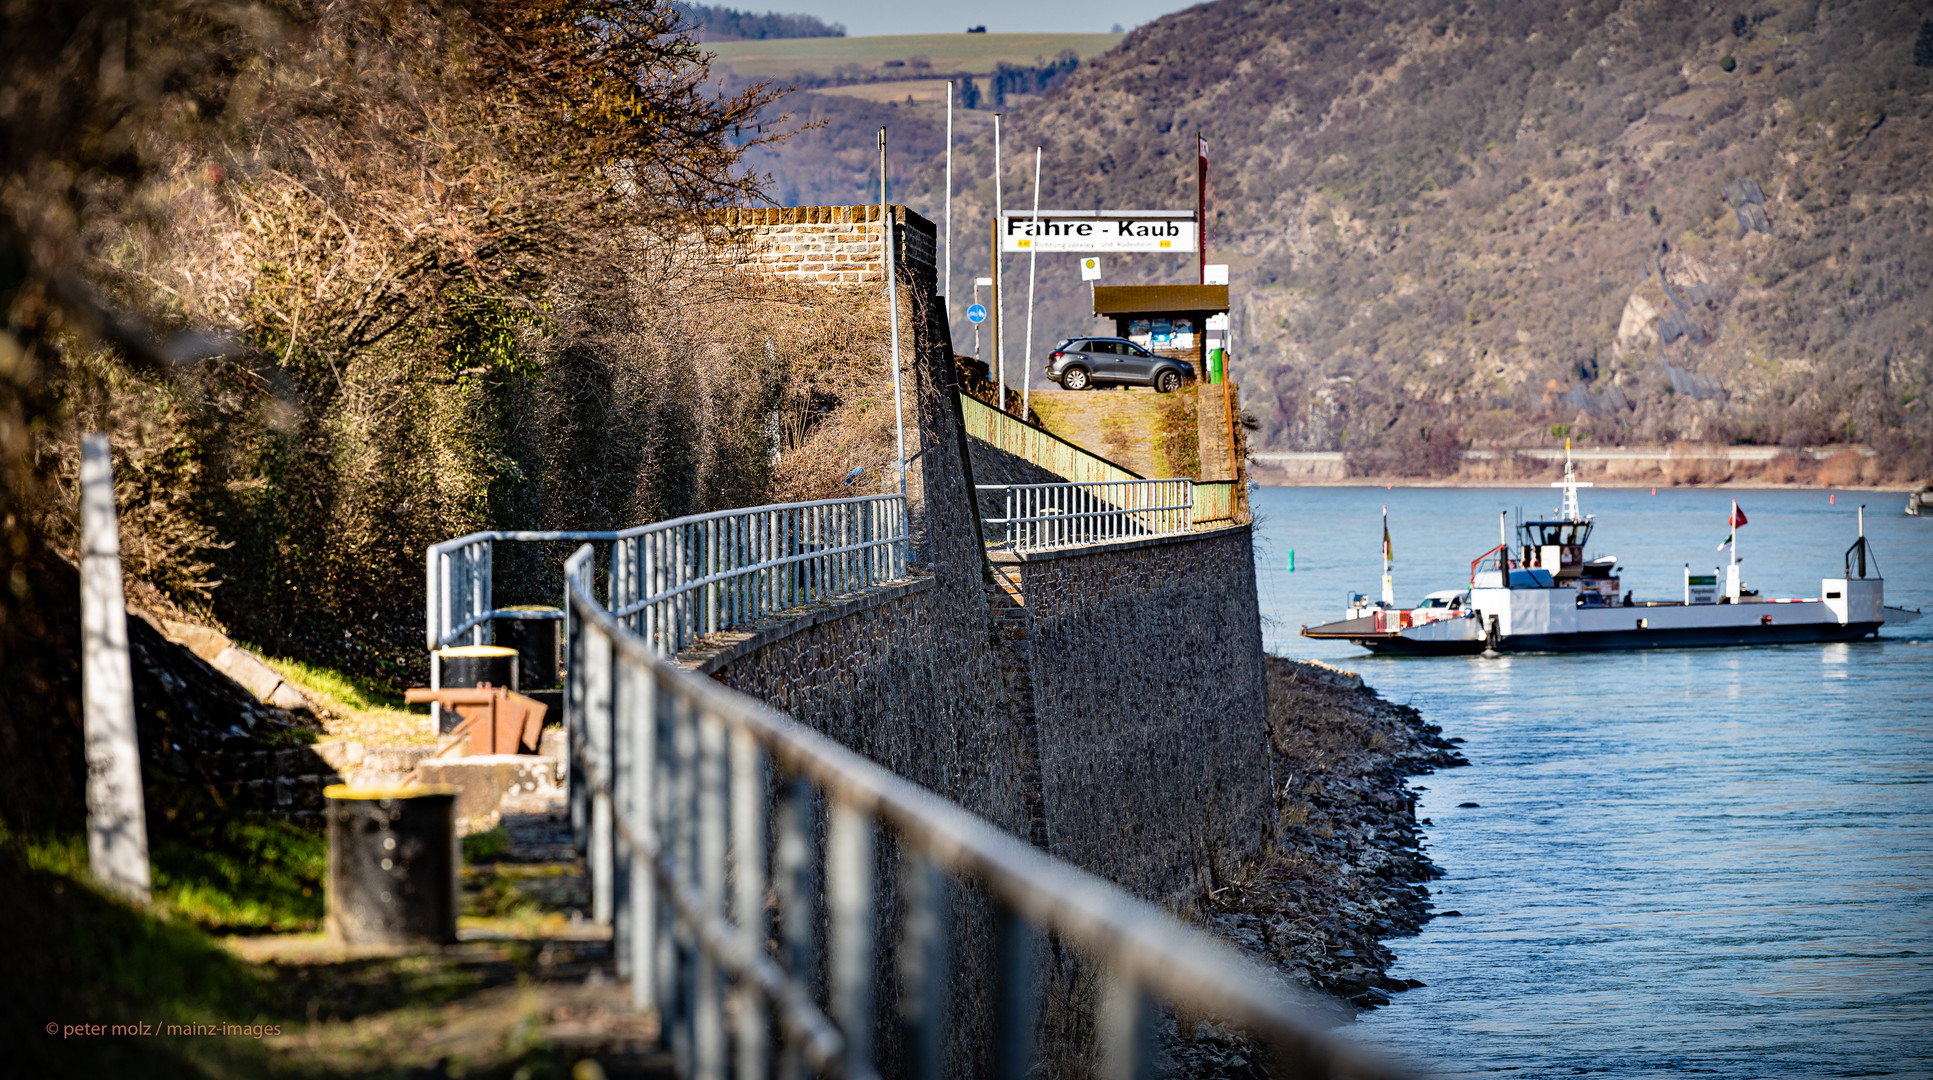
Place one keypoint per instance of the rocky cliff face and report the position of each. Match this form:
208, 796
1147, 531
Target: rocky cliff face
1622, 219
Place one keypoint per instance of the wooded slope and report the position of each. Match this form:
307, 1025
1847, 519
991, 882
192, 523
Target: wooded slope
1502, 224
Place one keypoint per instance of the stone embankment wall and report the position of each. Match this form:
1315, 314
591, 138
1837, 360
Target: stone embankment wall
1106, 702
1136, 669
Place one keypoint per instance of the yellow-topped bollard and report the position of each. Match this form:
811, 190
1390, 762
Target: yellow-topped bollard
392, 865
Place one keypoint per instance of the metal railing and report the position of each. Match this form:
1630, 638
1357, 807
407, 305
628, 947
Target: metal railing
1039, 516
675, 581
713, 826
1214, 501
1037, 445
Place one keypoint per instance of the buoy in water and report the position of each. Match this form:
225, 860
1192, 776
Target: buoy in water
1832, 500
1654, 491
1291, 560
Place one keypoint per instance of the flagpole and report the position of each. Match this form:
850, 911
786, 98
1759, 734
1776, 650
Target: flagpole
891, 271
1201, 203
1389, 586
946, 278
1732, 586
1033, 259
999, 294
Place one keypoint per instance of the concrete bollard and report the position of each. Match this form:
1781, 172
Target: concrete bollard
392, 865
536, 643
472, 665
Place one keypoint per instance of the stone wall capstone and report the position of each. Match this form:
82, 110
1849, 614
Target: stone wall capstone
834, 245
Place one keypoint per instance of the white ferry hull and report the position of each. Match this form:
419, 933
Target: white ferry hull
1551, 620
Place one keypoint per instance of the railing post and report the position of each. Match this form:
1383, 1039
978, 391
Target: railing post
851, 966
640, 696
682, 846
1124, 1030
480, 633
1016, 1007
797, 891
709, 1003
924, 964
748, 844
707, 561
599, 752
575, 700
624, 789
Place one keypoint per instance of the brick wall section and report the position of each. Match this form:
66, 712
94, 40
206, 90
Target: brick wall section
1147, 702
834, 245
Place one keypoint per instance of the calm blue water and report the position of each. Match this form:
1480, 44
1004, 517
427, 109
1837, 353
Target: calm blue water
1714, 861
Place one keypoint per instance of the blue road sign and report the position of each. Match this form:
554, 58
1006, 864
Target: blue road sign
977, 313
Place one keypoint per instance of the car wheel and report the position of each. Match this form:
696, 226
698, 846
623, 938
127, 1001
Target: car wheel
1167, 382
1073, 379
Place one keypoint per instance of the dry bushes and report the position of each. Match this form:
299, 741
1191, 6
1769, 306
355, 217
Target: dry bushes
402, 217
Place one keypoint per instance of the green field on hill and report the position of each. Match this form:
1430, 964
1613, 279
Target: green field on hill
787, 58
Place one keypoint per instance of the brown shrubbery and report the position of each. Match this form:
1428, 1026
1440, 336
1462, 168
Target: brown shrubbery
346, 279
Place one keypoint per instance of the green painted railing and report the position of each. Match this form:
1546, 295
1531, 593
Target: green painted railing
1042, 448
1214, 500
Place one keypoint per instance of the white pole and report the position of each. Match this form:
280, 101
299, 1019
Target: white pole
946, 274
117, 827
999, 294
892, 306
1389, 586
976, 326
1033, 259
1732, 524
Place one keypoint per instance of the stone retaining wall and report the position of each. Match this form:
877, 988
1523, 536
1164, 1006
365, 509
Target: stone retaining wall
1137, 672
834, 245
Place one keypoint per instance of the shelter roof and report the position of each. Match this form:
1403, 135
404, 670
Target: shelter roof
1159, 299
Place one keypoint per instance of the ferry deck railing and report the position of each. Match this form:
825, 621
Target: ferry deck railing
702, 813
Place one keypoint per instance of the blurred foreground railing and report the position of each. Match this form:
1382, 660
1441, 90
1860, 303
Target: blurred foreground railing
715, 828
1039, 516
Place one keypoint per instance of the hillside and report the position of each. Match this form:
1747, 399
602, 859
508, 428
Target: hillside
790, 60
846, 89
1623, 220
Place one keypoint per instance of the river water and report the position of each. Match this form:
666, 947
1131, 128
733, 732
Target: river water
1711, 861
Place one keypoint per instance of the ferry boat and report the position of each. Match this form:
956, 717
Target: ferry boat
1543, 595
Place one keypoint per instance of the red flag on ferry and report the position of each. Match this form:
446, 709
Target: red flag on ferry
1738, 516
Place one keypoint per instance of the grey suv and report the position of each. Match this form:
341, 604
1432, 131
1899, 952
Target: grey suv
1078, 363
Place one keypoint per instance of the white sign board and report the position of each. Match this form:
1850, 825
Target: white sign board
1098, 231
1215, 274
1090, 269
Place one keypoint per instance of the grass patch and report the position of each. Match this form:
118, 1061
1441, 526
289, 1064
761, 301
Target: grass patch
355, 707
82, 958
478, 847
1180, 435
352, 692
237, 872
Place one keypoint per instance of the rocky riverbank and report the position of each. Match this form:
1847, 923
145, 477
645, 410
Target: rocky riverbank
1346, 870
